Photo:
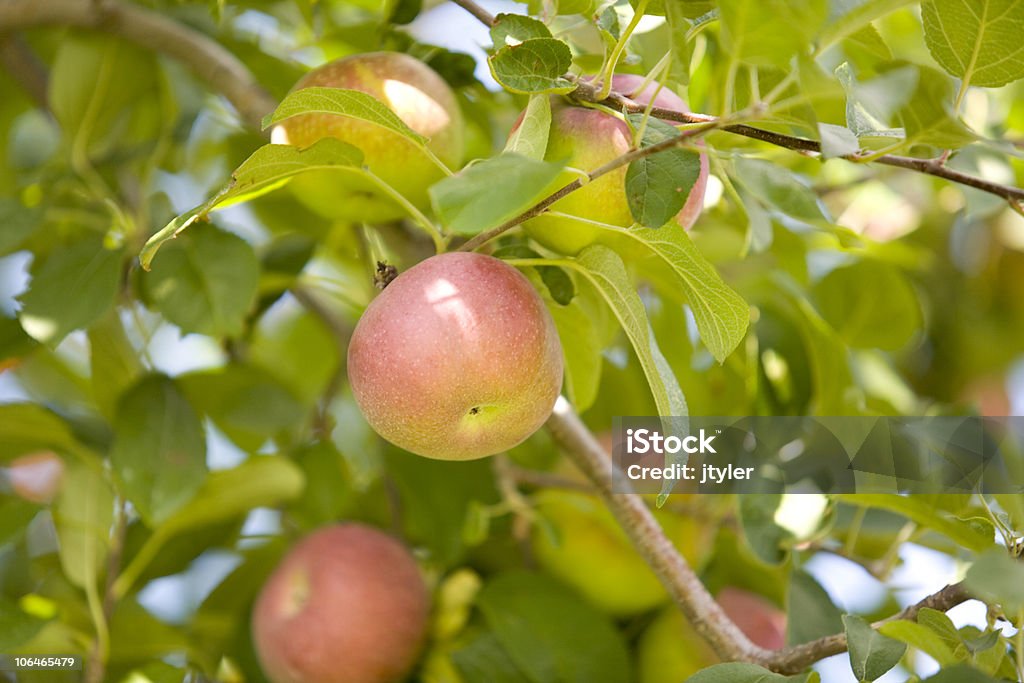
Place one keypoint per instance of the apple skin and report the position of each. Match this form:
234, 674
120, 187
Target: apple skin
456, 359
347, 604
593, 555
589, 138
759, 619
418, 95
670, 649
36, 477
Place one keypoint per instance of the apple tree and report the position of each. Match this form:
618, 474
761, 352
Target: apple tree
317, 320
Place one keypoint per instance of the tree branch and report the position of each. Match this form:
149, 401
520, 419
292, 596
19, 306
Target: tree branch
927, 166
25, 68
485, 17
792, 660
635, 518
207, 59
619, 162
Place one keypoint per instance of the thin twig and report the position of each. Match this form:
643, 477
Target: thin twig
619, 162
17, 59
637, 521
485, 17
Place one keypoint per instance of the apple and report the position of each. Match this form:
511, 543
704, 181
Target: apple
36, 477
589, 138
347, 604
456, 359
670, 649
759, 619
581, 543
420, 98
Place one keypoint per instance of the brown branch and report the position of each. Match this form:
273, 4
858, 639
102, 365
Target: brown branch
933, 167
25, 68
485, 17
635, 518
683, 585
207, 59
619, 162
792, 660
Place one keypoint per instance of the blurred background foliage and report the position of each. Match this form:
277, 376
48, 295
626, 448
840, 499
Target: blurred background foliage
873, 290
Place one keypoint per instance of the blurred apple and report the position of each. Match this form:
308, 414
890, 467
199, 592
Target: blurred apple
36, 477
581, 543
346, 605
456, 359
589, 138
420, 98
670, 649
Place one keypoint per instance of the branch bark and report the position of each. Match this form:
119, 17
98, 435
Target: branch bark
635, 518
24, 67
585, 92
689, 593
619, 162
206, 58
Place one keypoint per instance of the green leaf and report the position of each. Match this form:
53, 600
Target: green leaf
113, 363
342, 102
552, 635
27, 427
582, 350
766, 538
269, 168
159, 449
206, 282
922, 638
405, 11
837, 141
484, 659
738, 672
246, 402
99, 89
961, 674
871, 654
977, 41
918, 509
516, 28
16, 627
530, 139
929, 118
605, 270
83, 515
997, 578
17, 222
658, 186
871, 304
859, 16
769, 32
437, 497
533, 66
467, 204
260, 481
779, 188
721, 314
871, 105
819, 617
15, 515
86, 268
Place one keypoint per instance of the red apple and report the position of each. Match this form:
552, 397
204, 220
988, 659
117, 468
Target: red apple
36, 477
590, 138
346, 605
456, 359
420, 98
760, 620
